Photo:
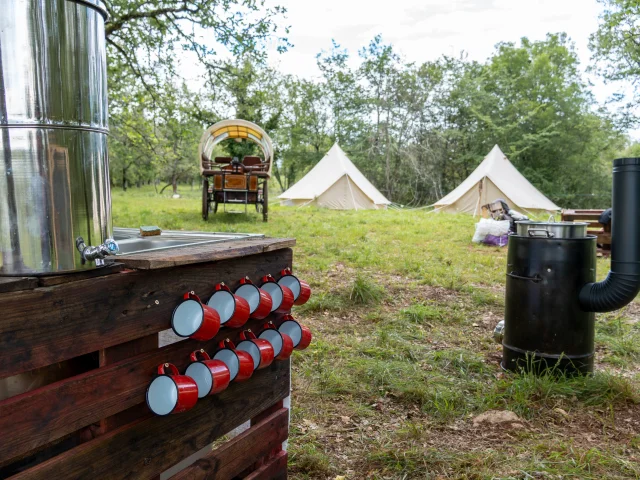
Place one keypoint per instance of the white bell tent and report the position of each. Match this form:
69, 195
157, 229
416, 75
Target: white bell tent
336, 183
495, 177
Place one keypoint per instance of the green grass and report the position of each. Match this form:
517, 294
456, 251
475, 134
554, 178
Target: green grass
364, 291
620, 338
384, 242
402, 311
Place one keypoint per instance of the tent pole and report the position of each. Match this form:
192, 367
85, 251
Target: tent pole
475, 212
480, 188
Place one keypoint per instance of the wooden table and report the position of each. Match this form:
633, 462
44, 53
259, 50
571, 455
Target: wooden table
77, 352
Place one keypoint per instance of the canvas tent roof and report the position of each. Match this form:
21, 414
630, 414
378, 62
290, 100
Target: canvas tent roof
495, 177
335, 182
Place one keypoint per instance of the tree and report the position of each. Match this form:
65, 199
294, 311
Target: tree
156, 122
304, 136
380, 72
178, 136
616, 44
417, 131
535, 104
145, 37
343, 93
132, 147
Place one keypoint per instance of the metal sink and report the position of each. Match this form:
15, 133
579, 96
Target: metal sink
130, 241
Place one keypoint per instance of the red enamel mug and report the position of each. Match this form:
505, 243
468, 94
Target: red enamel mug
211, 376
239, 363
171, 392
260, 350
281, 295
300, 289
233, 310
300, 334
281, 342
259, 301
192, 318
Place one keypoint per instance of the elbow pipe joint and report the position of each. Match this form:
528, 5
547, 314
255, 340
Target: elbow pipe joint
613, 293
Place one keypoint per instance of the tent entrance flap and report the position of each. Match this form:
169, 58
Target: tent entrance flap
482, 193
345, 195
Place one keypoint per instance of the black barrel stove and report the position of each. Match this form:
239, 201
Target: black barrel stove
551, 290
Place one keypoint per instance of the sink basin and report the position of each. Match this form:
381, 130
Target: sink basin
130, 241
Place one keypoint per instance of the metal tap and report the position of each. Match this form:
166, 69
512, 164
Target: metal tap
97, 254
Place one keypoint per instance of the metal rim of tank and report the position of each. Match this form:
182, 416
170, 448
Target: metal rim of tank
547, 230
96, 5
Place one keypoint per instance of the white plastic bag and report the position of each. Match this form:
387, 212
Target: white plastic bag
488, 226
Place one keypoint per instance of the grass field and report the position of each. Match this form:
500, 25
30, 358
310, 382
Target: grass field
402, 361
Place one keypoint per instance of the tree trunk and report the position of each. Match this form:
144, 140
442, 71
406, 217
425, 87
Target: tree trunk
387, 162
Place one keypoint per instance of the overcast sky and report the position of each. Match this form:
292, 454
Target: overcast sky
425, 29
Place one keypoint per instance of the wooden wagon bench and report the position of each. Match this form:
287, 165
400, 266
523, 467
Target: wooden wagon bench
94, 340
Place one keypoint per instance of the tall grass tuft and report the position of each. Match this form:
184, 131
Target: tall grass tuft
365, 291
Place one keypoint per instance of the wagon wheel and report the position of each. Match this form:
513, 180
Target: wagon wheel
205, 199
265, 202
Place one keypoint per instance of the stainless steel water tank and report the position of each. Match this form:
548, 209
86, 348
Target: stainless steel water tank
54, 176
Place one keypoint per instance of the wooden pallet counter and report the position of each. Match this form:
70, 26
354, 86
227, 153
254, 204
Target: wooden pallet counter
78, 351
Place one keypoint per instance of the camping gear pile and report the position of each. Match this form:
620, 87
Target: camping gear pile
495, 231
551, 292
491, 232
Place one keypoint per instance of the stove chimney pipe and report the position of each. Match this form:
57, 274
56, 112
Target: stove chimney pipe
623, 281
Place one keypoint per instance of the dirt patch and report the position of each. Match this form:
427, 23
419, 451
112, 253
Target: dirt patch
358, 444
503, 419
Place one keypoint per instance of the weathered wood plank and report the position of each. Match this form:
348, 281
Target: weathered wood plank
228, 460
604, 239
14, 284
51, 280
148, 447
204, 253
125, 351
276, 469
46, 325
115, 354
42, 415
260, 461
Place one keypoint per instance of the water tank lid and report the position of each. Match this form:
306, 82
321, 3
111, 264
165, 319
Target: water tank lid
96, 5
619, 162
